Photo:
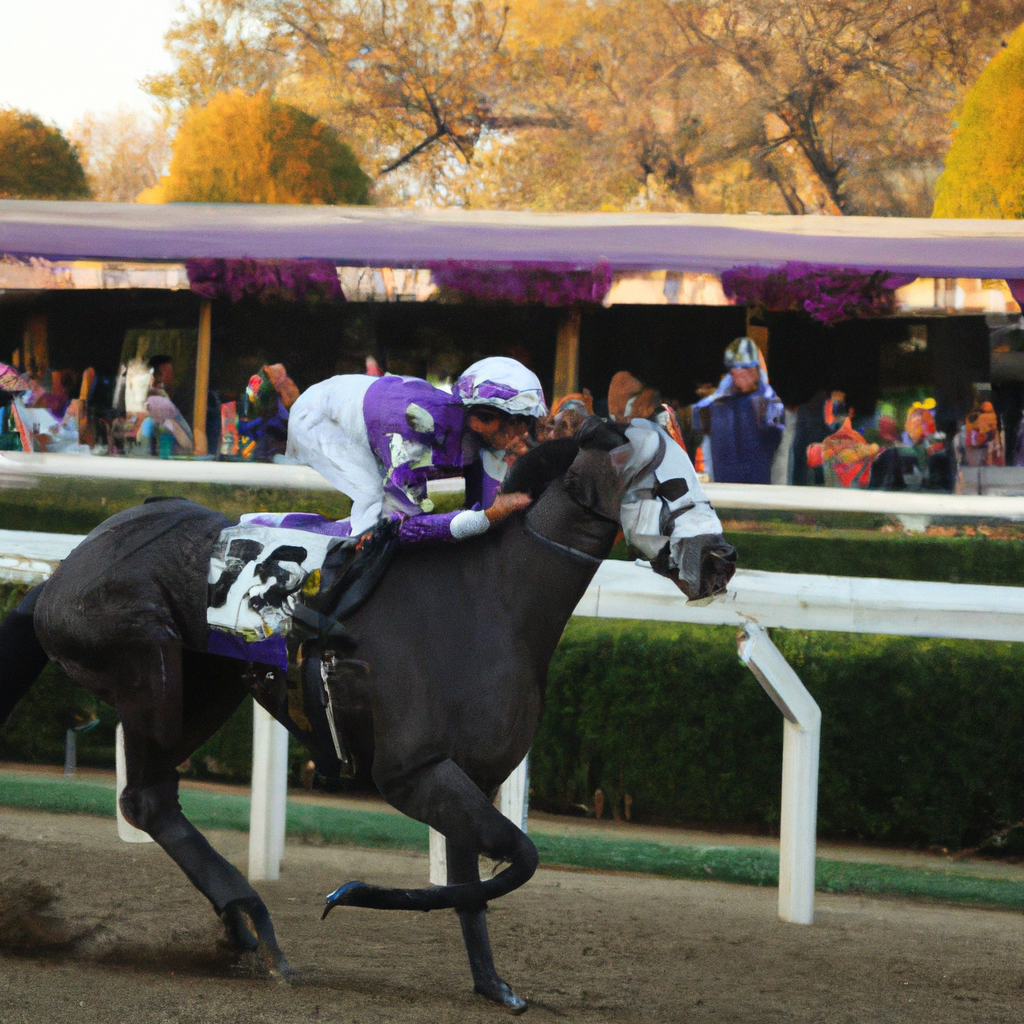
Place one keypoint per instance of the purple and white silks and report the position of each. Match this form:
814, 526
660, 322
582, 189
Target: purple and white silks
415, 431
504, 383
413, 529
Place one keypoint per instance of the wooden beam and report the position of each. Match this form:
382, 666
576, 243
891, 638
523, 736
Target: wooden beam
567, 354
202, 445
35, 349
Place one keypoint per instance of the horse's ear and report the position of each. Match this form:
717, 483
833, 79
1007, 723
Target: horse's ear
533, 471
599, 433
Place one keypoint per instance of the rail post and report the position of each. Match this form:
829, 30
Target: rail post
268, 803
801, 740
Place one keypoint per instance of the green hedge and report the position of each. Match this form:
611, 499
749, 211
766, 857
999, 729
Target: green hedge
920, 738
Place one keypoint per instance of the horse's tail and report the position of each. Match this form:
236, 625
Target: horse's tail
22, 657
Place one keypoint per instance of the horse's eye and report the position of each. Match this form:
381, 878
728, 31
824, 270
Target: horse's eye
671, 489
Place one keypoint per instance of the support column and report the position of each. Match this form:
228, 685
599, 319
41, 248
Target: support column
567, 354
801, 739
35, 348
269, 799
202, 444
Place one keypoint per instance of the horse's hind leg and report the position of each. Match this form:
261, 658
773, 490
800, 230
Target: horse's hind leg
210, 690
444, 797
22, 657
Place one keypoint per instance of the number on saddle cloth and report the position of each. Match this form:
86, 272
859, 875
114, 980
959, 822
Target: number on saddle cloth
272, 575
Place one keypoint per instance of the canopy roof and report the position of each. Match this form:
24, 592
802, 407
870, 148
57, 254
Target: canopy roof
362, 236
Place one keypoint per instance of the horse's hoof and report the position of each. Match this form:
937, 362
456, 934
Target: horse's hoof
343, 896
250, 931
264, 962
503, 994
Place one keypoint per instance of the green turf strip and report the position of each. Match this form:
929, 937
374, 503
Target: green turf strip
744, 865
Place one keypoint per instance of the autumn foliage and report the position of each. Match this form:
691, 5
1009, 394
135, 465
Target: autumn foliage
984, 175
800, 106
254, 149
37, 161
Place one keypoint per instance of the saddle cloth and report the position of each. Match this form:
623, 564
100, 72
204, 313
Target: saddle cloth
258, 573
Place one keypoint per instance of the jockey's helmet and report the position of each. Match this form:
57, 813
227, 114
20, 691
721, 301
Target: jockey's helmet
501, 382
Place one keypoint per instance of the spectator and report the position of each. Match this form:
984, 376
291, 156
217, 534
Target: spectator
743, 417
567, 416
629, 398
263, 429
167, 419
162, 369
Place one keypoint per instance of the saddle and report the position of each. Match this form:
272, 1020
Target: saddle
273, 587
273, 581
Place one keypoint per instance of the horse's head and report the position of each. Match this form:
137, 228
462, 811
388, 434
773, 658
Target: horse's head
639, 477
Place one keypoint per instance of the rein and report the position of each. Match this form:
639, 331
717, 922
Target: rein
563, 548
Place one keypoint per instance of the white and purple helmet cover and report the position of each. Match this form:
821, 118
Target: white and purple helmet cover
502, 383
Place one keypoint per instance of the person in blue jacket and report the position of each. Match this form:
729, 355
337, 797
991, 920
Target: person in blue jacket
744, 418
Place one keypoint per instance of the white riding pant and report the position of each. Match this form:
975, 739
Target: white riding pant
327, 430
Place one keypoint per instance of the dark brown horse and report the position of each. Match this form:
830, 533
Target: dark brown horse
455, 644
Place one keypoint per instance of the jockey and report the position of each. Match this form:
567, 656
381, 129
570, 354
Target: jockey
380, 439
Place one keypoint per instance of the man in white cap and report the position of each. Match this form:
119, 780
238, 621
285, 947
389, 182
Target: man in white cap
380, 439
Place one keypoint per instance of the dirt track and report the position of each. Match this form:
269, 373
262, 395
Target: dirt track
128, 939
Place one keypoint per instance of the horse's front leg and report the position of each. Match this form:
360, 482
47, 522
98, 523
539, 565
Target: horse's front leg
464, 866
158, 735
444, 797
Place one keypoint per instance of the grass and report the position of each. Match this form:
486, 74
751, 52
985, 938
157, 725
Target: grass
380, 830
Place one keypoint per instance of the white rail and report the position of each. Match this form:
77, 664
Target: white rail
22, 467
755, 600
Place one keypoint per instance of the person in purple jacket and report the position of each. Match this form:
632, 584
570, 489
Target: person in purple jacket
380, 439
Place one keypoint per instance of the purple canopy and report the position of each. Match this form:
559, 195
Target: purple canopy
360, 236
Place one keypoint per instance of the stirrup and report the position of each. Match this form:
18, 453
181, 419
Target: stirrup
329, 664
325, 685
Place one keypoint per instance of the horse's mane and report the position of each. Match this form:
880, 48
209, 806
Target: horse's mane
536, 469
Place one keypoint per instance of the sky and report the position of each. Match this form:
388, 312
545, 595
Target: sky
62, 58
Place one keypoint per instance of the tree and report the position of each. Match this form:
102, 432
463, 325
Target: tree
123, 153
984, 175
252, 149
712, 105
216, 47
37, 161
776, 105
415, 83
853, 93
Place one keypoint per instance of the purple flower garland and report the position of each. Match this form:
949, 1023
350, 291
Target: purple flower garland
549, 284
287, 280
828, 294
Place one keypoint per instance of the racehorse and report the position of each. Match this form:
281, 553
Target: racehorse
454, 641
